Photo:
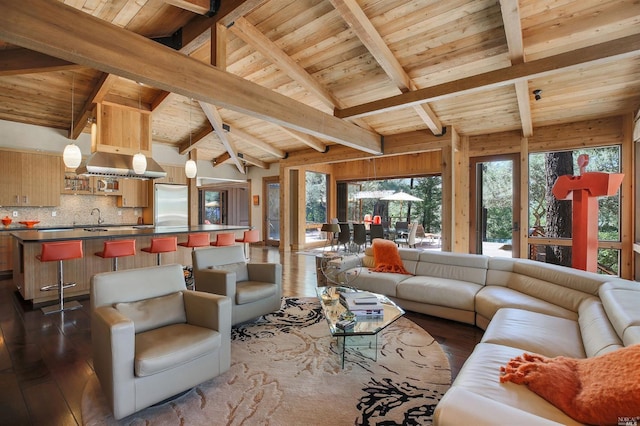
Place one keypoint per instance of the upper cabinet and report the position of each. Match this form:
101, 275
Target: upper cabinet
122, 129
134, 193
30, 179
175, 174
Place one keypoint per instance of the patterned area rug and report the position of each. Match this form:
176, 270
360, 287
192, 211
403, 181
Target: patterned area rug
286, 370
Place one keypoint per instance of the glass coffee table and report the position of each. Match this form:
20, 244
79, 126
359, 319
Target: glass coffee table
364, 333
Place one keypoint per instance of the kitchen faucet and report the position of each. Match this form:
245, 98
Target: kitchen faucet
100, 219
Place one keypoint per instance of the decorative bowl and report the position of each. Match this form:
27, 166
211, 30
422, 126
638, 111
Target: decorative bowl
29, 223
6, 221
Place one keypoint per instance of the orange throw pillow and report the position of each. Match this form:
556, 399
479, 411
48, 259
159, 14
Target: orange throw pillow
599, 390
386, 257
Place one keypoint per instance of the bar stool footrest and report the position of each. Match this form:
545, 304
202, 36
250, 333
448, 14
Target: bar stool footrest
70, 306
56, 286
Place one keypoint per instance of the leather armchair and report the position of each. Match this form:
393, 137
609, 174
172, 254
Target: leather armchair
152, 338
254, 288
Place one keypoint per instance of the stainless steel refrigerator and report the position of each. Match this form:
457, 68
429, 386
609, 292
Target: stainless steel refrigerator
171, 205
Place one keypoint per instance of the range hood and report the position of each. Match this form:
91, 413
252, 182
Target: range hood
118, 165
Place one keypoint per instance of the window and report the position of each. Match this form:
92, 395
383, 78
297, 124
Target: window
550, 218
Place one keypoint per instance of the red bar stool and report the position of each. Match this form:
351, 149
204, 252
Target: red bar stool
57, 252
162, 245
224, 239
117, 248
250, 236
197, 240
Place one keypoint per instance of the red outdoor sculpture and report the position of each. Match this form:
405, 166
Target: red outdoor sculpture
584, 190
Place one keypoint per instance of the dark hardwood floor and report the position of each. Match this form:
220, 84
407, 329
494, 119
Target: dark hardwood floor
45, 360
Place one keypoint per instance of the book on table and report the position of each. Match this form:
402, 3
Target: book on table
362, 303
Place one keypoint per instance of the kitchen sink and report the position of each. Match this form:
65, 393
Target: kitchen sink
96, 229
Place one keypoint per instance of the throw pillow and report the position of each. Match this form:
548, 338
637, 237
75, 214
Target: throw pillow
598, 390
240, 268
387, 258
155, 312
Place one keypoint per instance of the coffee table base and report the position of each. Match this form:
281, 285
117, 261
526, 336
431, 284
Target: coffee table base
367, 346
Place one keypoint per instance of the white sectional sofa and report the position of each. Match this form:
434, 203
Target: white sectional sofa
523, 306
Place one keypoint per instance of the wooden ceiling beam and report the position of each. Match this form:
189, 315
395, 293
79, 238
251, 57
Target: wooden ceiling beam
513, 31
308, 140
197, 140
216, 121
254, 38
201, 7
98, 94
24, 61
605, 52
221, 159
75, 36
400, 144
353, 15
254, 141
253, 161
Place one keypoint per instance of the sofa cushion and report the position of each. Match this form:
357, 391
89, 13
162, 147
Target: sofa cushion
529, 331
154, 312
163, 348
378, 282
596, 390
240, 268
621, 301
456, 266
480, 375
598, 335
491, 298
252, 291
439, 291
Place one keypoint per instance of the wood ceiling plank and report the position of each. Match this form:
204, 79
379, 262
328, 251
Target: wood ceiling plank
74, 36
25, 61
601, 53
306, 139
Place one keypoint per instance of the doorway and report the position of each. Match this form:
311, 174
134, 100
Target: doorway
213, 207
495, 205
271, 211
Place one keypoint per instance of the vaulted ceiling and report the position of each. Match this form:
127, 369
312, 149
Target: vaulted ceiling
296, 75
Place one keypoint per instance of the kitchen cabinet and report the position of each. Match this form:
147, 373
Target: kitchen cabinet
175, 174
78, 184
107, 185
6, 251
134, 193
30, 179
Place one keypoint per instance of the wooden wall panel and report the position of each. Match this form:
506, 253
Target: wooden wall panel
426, 163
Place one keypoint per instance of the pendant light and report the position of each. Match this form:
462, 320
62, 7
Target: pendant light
72, 156
190, 167
139, 160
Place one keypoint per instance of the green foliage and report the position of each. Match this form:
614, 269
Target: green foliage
316, 197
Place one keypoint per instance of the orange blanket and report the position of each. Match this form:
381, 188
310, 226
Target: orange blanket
600, 390
386, 257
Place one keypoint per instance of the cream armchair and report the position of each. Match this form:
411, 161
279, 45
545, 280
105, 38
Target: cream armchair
254, 288
152, 338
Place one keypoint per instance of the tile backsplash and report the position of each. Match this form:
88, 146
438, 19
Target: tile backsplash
76, 209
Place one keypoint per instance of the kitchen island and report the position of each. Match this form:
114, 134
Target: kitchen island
29, 274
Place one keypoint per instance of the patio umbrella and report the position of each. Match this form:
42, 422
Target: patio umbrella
402, 197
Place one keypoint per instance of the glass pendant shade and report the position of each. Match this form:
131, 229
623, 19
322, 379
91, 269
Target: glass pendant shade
139, 163
190, 169
72, 156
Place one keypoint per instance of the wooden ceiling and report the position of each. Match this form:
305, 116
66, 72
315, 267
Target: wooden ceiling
346, 71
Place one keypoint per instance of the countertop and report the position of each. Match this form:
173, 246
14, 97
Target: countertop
106, 231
